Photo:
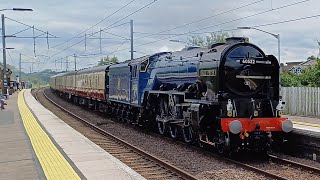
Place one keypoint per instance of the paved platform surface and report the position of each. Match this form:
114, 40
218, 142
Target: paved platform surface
17, 159
306, 125
82, 154
307, 120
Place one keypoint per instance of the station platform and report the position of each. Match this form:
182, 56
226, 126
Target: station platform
305, 125
36, 144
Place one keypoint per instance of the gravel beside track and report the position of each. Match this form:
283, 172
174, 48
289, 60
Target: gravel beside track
201, 164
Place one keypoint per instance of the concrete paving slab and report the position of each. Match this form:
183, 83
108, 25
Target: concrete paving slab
14, 151
306, 128
12, 134
312, 120
22, 169
305, 125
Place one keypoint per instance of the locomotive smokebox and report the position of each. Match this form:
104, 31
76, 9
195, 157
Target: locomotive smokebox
233, 40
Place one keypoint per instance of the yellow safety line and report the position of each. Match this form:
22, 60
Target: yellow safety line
54, 165
306, 124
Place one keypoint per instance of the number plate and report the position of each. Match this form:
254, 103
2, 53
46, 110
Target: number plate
247, 61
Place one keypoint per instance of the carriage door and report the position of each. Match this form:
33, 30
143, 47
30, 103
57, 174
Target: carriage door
134, 84
107, 83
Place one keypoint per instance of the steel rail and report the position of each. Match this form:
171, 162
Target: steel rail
178, 171
295, 164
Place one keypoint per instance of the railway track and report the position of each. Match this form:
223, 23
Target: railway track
142, 162
283, 164
294, 164
152, 167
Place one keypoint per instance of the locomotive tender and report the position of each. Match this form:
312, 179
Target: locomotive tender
226, 96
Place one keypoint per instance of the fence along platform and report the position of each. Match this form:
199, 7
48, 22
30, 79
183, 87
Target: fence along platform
302, 101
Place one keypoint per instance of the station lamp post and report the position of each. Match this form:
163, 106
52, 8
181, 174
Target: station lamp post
4, 74
274, 35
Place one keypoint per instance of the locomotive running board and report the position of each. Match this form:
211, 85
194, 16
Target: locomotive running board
167, 92
198, 101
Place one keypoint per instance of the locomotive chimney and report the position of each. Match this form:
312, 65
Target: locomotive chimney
232, 40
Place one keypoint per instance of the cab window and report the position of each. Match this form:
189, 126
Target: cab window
143, 65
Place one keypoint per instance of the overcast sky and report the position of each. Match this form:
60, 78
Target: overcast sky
67, 18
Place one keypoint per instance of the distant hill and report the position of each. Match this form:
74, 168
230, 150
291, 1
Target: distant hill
39, 78
36, 78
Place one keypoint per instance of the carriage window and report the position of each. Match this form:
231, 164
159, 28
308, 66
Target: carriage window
143, 66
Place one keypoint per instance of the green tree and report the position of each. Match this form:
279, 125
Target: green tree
208, 40
107, 60
290, 80
311, 76
312, 58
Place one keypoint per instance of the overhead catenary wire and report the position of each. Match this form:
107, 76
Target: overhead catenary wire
256, 14
270, 24
29, 26
196, 31
13, 63
93, 54
202, 19
86, 56
227, 22
103, 54
94, 33
110, 26
156, 34
48, 35
20, 31
287, 21
249, 16
194, 21
30, 37
113, 13
261, 25
166, 30
130, 14
115, 35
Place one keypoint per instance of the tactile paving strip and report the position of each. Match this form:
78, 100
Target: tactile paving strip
54, 165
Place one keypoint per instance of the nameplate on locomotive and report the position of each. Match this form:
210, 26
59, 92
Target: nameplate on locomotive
208, 72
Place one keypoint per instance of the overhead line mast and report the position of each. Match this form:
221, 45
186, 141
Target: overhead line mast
131, 29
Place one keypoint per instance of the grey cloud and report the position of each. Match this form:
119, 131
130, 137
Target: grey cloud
67, 18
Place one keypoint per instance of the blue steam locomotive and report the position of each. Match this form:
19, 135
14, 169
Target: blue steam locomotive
226, 96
